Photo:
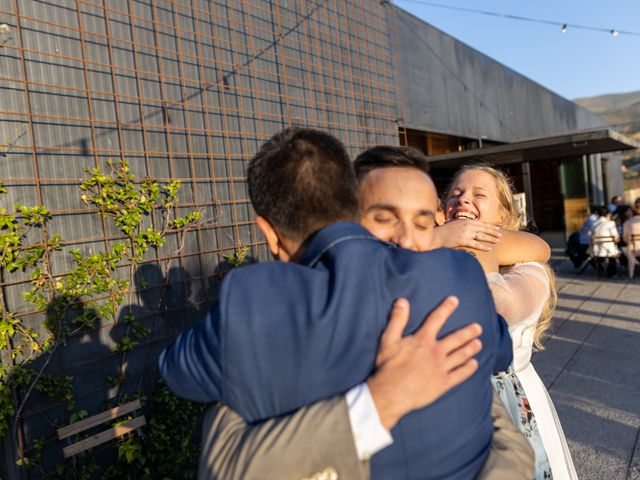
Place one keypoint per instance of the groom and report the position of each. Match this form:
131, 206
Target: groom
285, 335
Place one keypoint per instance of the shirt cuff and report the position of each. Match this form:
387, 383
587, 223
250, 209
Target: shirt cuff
369, 434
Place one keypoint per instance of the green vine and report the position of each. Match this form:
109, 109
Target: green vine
19, 343
118, 198
239, 257
90, 291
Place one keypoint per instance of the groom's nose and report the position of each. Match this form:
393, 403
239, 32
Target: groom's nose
404, 236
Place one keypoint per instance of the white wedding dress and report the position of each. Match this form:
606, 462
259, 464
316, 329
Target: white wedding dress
520, 293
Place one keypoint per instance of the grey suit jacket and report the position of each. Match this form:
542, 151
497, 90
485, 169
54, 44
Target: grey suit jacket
316, 443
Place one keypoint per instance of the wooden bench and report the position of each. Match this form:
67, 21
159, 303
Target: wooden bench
85, 424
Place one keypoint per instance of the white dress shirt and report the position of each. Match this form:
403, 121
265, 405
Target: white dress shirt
369, 434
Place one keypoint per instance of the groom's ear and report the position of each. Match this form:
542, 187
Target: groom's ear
270, 235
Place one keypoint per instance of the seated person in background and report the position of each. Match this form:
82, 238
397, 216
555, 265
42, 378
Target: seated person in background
586, 226
287, 334
578, 242
616, 202
624, 213
631, 236
603, 238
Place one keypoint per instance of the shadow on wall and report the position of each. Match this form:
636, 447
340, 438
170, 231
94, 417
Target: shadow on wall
92, 372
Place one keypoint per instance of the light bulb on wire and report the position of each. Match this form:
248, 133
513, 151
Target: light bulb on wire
564, 26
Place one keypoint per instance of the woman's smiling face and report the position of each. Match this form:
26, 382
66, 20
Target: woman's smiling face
474, 195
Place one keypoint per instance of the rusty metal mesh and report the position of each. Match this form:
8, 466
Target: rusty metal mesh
182, 90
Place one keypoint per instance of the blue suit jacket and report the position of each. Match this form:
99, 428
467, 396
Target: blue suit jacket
285, 335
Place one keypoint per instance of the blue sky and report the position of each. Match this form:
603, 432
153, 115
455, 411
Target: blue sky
579, 63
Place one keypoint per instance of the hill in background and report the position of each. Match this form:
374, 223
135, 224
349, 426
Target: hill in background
620, 109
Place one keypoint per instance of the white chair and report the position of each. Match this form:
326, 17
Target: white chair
604, 248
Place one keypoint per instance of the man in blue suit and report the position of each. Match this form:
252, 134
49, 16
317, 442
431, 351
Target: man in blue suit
285, 335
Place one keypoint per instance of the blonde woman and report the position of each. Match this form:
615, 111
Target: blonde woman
525, 296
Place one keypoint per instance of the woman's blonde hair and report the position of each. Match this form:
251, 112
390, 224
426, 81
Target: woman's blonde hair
505, 191
549, 307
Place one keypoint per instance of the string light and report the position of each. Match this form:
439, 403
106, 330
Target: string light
563, 25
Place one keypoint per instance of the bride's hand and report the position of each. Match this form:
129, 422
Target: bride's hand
474, 234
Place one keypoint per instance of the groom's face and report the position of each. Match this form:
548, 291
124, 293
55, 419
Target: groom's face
399, 205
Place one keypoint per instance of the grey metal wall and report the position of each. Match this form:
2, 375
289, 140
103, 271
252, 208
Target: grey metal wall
182, 90
448, 87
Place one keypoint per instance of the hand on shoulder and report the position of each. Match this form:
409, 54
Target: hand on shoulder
415, 370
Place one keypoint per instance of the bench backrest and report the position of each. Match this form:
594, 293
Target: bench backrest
105, 436
634, 242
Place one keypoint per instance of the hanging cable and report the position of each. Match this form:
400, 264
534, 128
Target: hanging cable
564, 26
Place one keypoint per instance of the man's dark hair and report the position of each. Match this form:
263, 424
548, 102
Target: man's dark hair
386, 156
302, 180
602, 211
621, 211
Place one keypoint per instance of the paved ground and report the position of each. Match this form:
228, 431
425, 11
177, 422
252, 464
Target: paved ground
591, 367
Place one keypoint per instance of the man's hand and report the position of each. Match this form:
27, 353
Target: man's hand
466, 234
415, 370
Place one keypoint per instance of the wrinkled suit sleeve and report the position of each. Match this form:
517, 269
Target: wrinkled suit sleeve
191, 366
310, 441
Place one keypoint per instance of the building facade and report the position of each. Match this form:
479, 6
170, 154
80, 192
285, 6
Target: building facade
188, 90
457, 103
180, 89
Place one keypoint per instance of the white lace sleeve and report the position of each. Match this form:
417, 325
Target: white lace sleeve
520, 291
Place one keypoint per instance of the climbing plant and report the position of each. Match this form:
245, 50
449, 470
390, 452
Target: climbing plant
93, 290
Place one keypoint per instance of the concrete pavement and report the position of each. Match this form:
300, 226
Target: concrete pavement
591, 366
